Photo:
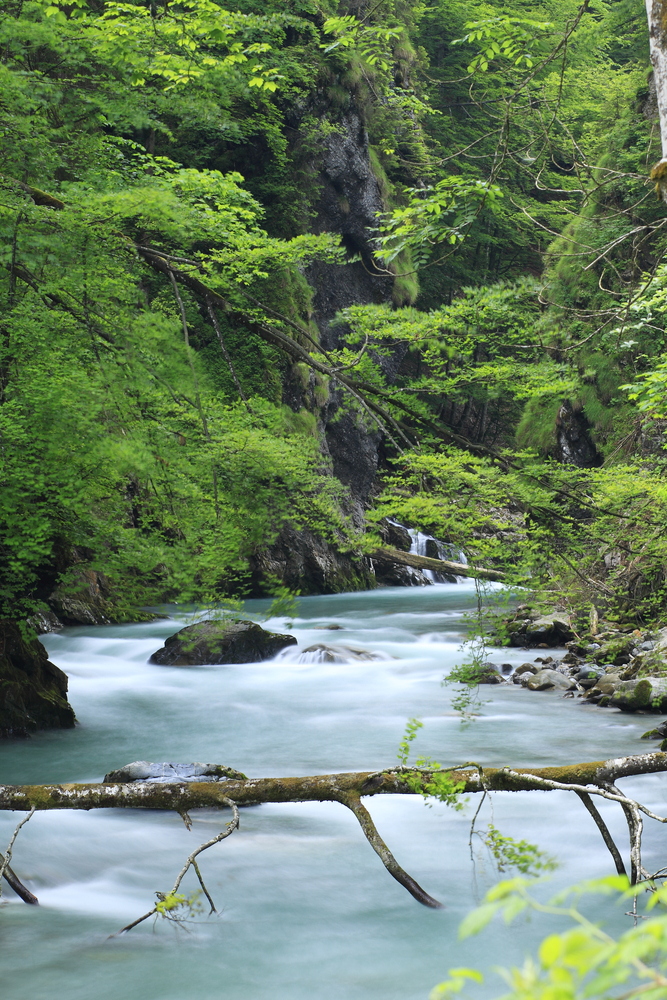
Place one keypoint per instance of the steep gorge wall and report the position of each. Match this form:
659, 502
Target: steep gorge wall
349, 201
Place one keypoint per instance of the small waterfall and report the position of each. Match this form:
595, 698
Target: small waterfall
433, 548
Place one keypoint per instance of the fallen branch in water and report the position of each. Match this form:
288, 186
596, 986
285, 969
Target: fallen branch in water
591, 778
10, 876
191, 861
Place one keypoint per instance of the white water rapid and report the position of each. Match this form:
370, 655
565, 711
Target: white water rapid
306, 908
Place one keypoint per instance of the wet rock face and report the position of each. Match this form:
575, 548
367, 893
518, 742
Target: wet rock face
348, 203
33, 691
391, 574
213, 642
396, 535
87, 605
306, 563
575, 446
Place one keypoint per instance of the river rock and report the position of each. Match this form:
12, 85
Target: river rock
604, 687
211, 642
169, 774
320, 652
526, 668
553, 629
544, 680
540, 630
647, 693
659, 733
523, 673
588, 676
489, 675
33, 691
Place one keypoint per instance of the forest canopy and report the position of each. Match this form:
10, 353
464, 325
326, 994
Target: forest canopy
160, 184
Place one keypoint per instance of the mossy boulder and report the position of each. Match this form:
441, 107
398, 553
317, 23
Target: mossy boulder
540, 630
212, 642
33, 691
646, 693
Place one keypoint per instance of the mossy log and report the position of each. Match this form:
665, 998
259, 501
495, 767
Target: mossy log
348, 788
316, 788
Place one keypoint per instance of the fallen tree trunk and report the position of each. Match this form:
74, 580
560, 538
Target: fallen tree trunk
316, 788
439, 565
594, 777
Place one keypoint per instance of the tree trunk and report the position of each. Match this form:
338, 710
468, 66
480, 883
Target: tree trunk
317, 788
656, 12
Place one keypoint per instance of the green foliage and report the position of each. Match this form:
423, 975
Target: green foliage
442, 214
427, 778
527, 858
120, 451
582, 961
411, 730
512, 38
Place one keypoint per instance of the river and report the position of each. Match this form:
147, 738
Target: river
306, 908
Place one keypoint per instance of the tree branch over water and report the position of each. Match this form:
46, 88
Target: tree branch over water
585, 779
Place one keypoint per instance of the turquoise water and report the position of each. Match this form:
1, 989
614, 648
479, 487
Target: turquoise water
306, 908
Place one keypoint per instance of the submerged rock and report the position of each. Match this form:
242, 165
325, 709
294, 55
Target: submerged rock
168, 774
212, 642
320, 652
33, 691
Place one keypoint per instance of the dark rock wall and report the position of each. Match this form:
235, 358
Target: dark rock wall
33, 691
349, 202
306, 563
574, 443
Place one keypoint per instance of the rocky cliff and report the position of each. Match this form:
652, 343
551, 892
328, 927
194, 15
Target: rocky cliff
33, 691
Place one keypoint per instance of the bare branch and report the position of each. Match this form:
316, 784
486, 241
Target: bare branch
366, 823
604, 830
6, 871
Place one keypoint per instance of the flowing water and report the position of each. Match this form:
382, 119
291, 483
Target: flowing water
306, 908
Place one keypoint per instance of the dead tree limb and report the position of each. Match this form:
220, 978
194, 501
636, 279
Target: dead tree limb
191, 861
322, 787
604, 831
386, 857
7, 873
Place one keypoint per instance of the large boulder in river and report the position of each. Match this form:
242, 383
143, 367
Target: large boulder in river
220, 642
33, 691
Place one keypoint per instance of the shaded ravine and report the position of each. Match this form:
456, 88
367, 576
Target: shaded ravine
307, 908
